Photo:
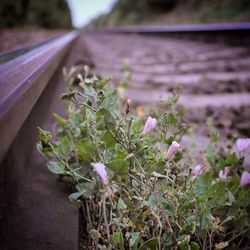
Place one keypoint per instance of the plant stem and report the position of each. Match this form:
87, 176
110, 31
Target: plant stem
105, 217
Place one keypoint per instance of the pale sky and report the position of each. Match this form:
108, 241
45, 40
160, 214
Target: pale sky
82, 11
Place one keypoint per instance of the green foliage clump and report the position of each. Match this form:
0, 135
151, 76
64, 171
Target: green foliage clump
135, 188
127, 12
26, 13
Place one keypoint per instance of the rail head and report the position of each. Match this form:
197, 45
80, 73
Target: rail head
185, 28
22, 81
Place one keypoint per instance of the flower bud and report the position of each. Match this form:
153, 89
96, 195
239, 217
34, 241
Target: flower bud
149, 125
198, 170
242, 144
100, 169
128, 104
223, 174
172, 150
245, 179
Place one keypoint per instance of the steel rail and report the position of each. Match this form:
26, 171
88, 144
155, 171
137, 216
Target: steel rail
22, 81
185, 28
14, 53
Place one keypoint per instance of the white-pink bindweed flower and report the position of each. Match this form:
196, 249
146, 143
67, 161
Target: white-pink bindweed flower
245, 179
100, 169
223, 173
242, 144
198, 170
172, 149
149, 125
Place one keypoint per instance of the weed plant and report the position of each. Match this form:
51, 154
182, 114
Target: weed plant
137, 185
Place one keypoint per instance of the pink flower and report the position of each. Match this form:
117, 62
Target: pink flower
100, 169
111, 190
172, 149
149, 125
245, 179
223, 174
242, 143
198, 170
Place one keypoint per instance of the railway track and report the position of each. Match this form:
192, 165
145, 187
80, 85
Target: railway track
213, 72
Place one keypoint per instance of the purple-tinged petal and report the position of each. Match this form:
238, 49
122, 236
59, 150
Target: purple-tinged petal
223, 174
242, 144
172, 149
149, 125
100, 169
245, 179
198, 170
111, 190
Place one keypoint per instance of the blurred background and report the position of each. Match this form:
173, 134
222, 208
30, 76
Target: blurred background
62, 14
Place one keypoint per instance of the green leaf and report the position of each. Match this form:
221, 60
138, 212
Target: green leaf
231, 197
149, 244
173, 99
118, 166
136, 126
74, 196
133, 241
94, 234
217, 194
85, 149
59, 119
188, 228
65, 144
117, 240
76, 119
56, 167
207, 220
210, 155
121, 204
194, 245
120, 152
89, 90
105, 119
171, 119
68, 96
149, 202
86, 189
170, 139
202, 184
215, 136
89, 116
167, 239
232, 160
46, 150
102, 83
108, 139
109, 101
183, 244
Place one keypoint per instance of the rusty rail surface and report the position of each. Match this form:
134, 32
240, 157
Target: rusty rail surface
22, 81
